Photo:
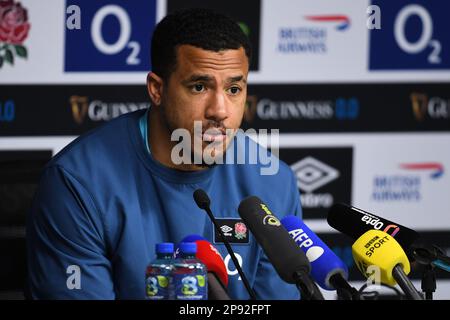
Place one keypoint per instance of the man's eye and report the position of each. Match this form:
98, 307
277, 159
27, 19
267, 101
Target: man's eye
198, 88
234, 90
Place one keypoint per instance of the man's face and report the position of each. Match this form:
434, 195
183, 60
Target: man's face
210, 87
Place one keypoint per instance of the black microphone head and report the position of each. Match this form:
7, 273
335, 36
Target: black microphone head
354, 222
340, 218
279, 247
201, 199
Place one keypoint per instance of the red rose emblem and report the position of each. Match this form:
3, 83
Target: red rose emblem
14, 28
240, 229
14, 24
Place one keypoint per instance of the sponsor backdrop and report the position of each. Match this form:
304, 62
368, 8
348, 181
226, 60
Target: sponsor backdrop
359, 90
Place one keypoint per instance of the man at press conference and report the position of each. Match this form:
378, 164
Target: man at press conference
106, 199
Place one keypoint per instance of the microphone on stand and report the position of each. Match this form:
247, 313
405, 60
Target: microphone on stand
377, 248
353, 222
327, 269
288, 259
203, 202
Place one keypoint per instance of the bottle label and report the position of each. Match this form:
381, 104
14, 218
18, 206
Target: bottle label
157, 287
190, 287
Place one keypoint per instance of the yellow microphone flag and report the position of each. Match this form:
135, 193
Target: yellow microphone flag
378, 248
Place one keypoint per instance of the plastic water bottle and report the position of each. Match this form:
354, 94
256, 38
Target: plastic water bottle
189, 275
158, 278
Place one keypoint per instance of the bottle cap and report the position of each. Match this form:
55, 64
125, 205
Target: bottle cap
188, 247
165, 247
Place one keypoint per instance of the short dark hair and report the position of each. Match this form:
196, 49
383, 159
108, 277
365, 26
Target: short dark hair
201, 28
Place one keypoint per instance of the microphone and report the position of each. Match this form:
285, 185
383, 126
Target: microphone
327, 269
210, 257
378, 248
354, 222
203, 202
288, 259
217, 272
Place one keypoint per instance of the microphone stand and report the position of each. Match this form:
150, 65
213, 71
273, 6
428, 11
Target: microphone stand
216, 289
429, 281
233, 257
203, 202
343, 288
426, 254
404, 283
308, 289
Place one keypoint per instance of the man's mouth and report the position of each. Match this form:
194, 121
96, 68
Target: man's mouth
214, 135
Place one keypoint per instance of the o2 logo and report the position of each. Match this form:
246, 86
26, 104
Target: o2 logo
229, 264
414, 36
109, 35
124, 35
426, 34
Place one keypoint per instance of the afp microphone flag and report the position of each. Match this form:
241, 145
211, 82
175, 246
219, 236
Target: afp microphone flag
324, 262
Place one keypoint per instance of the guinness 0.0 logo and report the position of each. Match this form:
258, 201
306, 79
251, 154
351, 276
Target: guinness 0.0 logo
419, 105
79, 108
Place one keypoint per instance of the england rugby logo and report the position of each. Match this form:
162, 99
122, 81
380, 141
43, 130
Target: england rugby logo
14, 28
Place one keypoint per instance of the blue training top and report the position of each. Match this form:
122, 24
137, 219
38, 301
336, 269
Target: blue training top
103, 203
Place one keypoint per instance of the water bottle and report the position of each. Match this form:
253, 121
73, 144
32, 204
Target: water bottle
189, 275
158, 282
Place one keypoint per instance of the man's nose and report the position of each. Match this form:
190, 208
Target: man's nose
217, 108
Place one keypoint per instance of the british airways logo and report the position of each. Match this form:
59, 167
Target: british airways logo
437, 169
405, 187
342, 22
312, 34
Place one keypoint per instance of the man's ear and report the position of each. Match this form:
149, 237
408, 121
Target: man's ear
155, 86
